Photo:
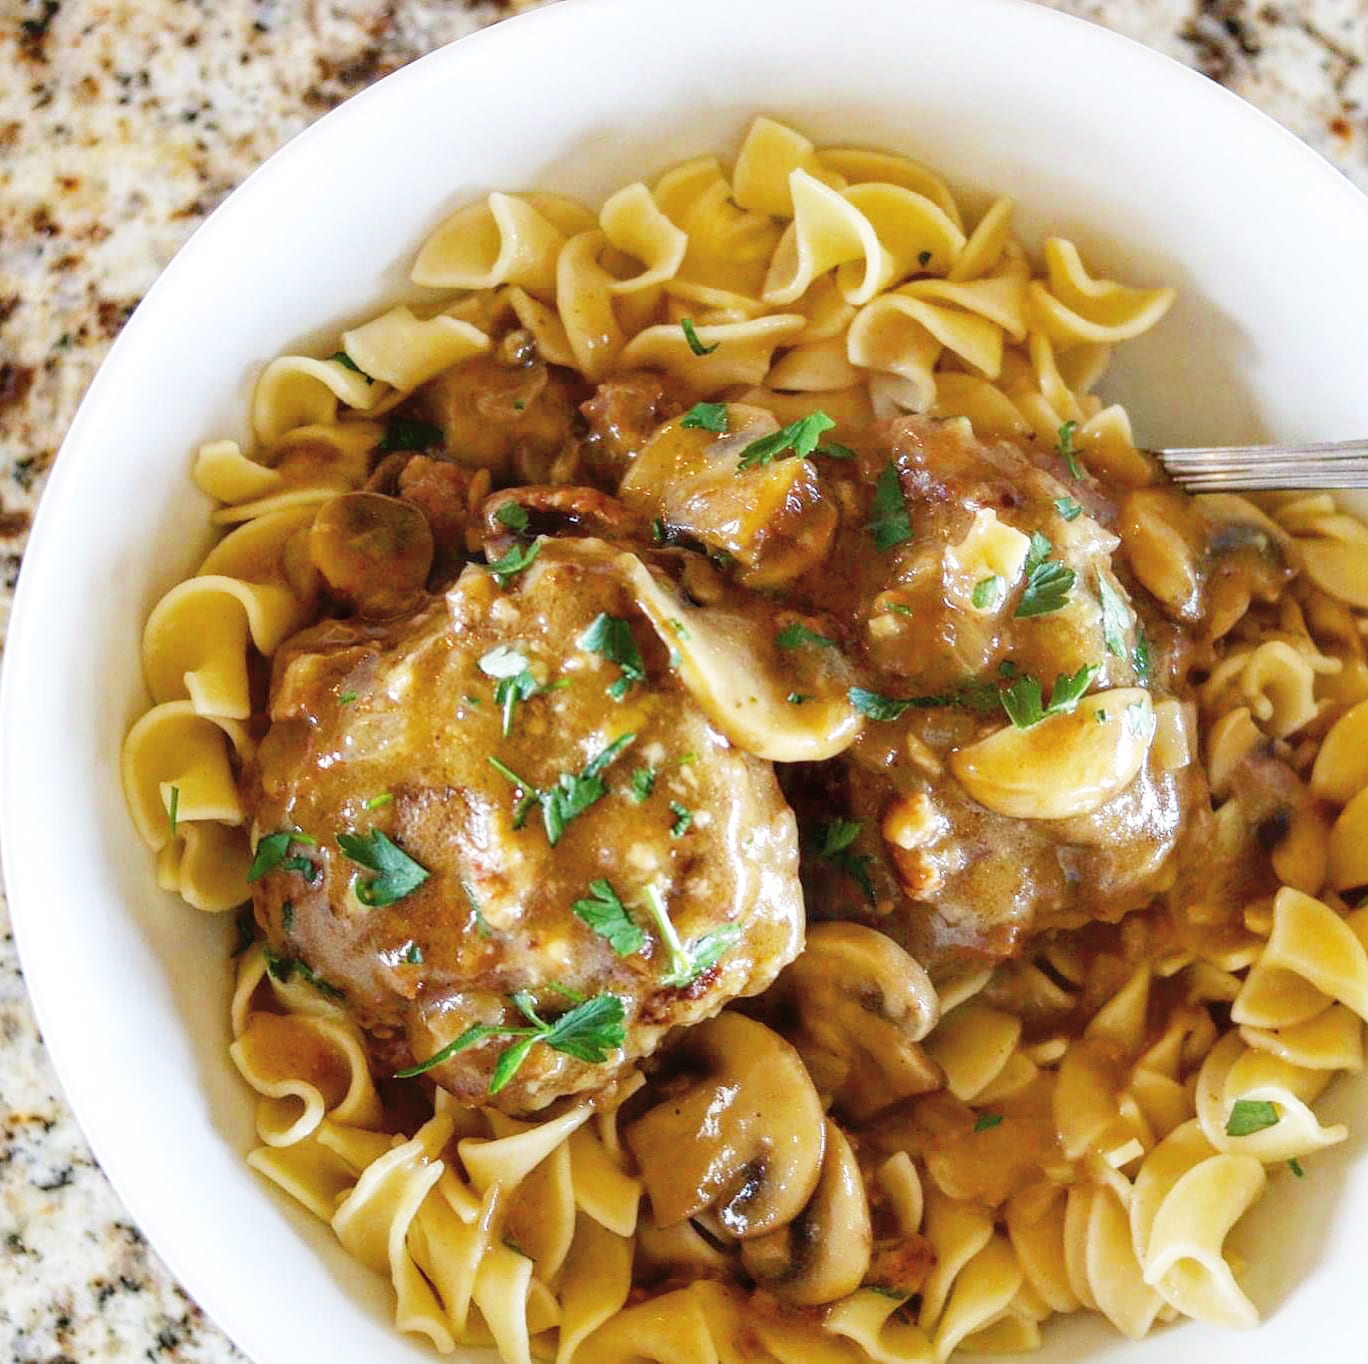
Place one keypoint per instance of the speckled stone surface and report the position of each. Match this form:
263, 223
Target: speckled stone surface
122, 124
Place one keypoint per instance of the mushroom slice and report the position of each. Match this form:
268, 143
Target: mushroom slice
373, 551
823, 1254
772, 517
862, 1007
1068, 764
729, 666
738, 1127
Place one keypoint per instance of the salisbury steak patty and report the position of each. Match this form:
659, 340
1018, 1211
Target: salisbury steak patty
393, 733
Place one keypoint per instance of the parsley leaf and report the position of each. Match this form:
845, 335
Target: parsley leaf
572, 795
834, 842
346, 698
1249, 1116
688, 962
1048, 582
376, 801
515, 681
800, 436
1023, 699
1141, 656
608, 917
402, 433
611, 638
988, 593
987, 1121
706, 417
1068, 508
683, 818
691, 336
271, 853
643, 783
512, 563
797, 698
512, 515
1065, 449
972, 694
172, 811
345, 360
889, 524
588, 1033
835, 450
1295, 1166
1116, 617
876, 705
399, 875
412, 955
796, 635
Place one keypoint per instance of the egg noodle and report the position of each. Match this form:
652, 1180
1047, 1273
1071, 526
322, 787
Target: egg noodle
1048, 1171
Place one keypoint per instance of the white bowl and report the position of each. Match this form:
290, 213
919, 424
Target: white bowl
1156, 172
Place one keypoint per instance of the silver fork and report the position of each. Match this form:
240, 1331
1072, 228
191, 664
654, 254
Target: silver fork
1268, 468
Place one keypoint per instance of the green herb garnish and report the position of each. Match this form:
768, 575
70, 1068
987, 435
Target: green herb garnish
403, 433
398, 874
412, 955
889, 523
588, 1032
271, 853
987, 1121
605, 913
375, 802
688, 961
1141, 656
1048, 582
800, 436
611, 638
1295, 1166
643, 783
691, 336
512, 515
347, 362
1249, 1116
797, 698
514, 561
796, 635
1068, 508
834, 842
346, 698
172, 811
1116, 617
572, 795
989, 593
1023, 700
1065, 449
706, 417
514, 680
683, 818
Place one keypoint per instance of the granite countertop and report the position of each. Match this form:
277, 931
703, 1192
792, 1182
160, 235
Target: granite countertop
122, 124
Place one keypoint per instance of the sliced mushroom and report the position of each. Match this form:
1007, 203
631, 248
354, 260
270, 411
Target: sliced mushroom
1069, 764
738, 1127
824, 1252
771, 517
860, 1007
373, 551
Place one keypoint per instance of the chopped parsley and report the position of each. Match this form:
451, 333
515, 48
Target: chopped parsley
1065, 449
519, 404
987, 1121
1139, 721
346, 698
835, 450
512, 515
691, 336
605, 913
345, 360
403, 433
972, 694
801, 437
514, 680
272, 853
172, 811
588, 1032
375, 802
796, 635
989, 593
1068, 508
643, 783
287, 917
658, 533
797, 698
412, 955
889, 522
1116, 617
706, 417
683, 818
1048, 582
1023, 700
398, 874
834, 842
1141, 656
282, 968
571, 796
517, 558
481, 923
691, 960
1249, 1116
1295, 1166
611, 638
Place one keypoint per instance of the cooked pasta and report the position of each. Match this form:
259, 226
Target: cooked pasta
931, 909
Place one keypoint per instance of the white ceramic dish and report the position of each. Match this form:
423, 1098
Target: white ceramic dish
1153, 170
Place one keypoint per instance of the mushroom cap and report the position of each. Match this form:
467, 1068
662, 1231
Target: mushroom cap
738, 1127
861, 1006
373, 551
823, 1254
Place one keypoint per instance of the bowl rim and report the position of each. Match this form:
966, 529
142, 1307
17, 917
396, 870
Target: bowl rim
23, 878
